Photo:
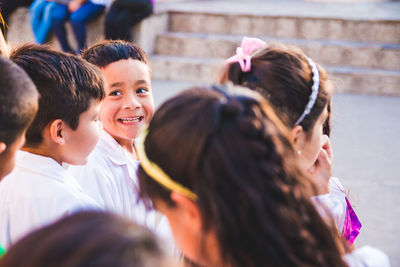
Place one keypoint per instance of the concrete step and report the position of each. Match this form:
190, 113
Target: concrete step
303, 26
333, 53
203, 70
345, 79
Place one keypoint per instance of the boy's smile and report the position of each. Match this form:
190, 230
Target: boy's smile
131, 120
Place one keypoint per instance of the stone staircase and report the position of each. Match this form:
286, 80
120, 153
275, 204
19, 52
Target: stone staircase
358, 43
359, 49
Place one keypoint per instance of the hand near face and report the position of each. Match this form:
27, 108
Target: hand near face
326, 145
321, 171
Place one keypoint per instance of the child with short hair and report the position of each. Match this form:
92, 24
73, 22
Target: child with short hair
110, 174
65, 130
19, 103
300, 92
89, 238
221, 167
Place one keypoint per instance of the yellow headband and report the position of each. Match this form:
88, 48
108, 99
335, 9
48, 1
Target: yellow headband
155, 172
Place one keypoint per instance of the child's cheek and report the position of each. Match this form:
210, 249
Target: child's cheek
151, 108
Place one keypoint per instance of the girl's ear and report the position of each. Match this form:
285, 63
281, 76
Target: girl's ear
298, 137
188, 211
57, 129
3, 147
295, 134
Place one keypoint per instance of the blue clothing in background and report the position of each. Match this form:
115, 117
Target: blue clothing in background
41, 21
60, 14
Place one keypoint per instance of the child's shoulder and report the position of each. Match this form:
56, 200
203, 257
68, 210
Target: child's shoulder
44, 193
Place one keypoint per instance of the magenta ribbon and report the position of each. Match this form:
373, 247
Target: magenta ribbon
352, 224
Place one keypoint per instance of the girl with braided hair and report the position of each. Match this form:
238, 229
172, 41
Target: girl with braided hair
300, 93
219, 164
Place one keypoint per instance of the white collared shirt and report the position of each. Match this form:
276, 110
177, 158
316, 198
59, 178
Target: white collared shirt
36, 193
110, 178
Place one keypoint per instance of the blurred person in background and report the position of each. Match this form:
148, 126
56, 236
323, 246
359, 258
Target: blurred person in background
40, 17
124, 15
78, 12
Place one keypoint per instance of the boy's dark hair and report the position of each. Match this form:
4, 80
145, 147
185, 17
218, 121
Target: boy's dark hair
238, 160
90, 238
66, 84
106, 52
282, 75
19, 101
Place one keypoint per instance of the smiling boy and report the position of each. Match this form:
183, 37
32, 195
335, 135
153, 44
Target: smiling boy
109, 177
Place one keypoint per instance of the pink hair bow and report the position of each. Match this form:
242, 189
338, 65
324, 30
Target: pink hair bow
243, 53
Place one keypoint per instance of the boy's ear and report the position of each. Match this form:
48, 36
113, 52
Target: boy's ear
3, 147
57, 128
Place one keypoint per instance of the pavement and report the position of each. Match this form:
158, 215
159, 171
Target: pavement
365, 143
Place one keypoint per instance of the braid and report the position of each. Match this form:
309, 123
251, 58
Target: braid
239, 162
292, 211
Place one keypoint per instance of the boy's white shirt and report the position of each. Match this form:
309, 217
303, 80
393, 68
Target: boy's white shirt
367, 256
334, 202
37, 192
110, 178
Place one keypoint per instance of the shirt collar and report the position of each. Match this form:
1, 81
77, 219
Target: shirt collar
113, 150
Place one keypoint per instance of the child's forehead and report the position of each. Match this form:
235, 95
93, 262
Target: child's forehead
126, 71
127, 63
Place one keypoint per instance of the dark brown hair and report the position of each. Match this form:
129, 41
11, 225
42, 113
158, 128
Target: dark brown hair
282, 74
19, 101
67, 85
106, 52
88, 239
230, 149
